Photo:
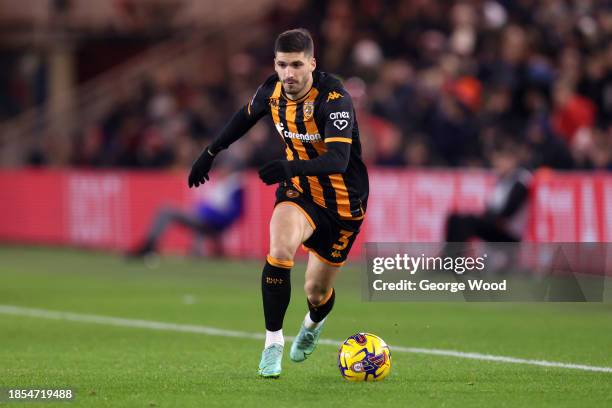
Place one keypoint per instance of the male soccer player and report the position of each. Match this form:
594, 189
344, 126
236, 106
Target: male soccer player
323, 191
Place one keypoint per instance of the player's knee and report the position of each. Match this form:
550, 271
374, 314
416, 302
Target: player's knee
282, 252
315, 292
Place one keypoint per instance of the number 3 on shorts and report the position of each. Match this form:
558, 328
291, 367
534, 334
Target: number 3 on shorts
343, 241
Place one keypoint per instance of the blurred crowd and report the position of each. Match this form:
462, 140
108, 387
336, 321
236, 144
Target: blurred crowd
435, 83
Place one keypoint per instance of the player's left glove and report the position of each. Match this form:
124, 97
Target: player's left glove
201, 168
275, 172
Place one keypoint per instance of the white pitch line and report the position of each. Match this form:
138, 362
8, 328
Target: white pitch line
213, 331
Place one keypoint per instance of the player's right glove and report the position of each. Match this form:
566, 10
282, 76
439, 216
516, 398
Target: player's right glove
200, 168
275, 171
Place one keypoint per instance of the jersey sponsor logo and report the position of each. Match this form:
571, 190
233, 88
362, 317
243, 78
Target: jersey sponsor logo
308, 110
340, 123
333, 95
339, 115
280, 128
304, 137
340, 119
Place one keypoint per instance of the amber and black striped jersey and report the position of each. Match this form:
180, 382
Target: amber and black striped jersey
310, 127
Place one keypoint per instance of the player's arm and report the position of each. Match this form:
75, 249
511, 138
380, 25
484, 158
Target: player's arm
239, 124
338, 130
335, 160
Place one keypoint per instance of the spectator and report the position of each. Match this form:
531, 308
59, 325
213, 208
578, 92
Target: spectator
505, 214
210, 218
461, 74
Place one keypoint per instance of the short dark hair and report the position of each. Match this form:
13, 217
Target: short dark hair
297, 40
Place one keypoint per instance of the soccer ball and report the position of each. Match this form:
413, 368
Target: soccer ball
364, 357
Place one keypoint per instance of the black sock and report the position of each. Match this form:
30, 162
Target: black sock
275, 291
319, 312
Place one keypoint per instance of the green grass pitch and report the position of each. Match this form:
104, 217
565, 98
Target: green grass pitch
111, 366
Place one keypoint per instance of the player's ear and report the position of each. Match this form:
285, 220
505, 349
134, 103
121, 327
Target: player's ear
313, 64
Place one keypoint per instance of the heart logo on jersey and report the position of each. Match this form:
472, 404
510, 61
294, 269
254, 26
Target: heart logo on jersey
340, 123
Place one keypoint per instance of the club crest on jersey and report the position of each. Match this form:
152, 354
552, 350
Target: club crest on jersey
273, 103
333, 95
308, 110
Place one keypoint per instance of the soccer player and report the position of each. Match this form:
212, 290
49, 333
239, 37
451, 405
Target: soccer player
323, 188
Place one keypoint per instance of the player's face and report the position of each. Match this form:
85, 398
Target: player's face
294, 69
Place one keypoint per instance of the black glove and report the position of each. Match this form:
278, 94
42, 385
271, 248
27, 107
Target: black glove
275, 172
200, 168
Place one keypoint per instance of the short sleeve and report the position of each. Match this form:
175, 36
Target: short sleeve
339, 116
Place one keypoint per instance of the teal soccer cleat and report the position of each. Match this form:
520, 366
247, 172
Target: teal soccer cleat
271, 358
304, 343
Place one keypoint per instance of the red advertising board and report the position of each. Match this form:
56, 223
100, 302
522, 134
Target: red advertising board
113, 209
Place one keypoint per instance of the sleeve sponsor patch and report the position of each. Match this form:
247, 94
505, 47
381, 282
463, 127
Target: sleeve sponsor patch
340, 119
339, 115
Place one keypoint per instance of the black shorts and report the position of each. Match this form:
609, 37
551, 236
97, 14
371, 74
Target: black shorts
333, 237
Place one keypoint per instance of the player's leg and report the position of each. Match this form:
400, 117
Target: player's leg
289, 227
318, 286
320, 297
